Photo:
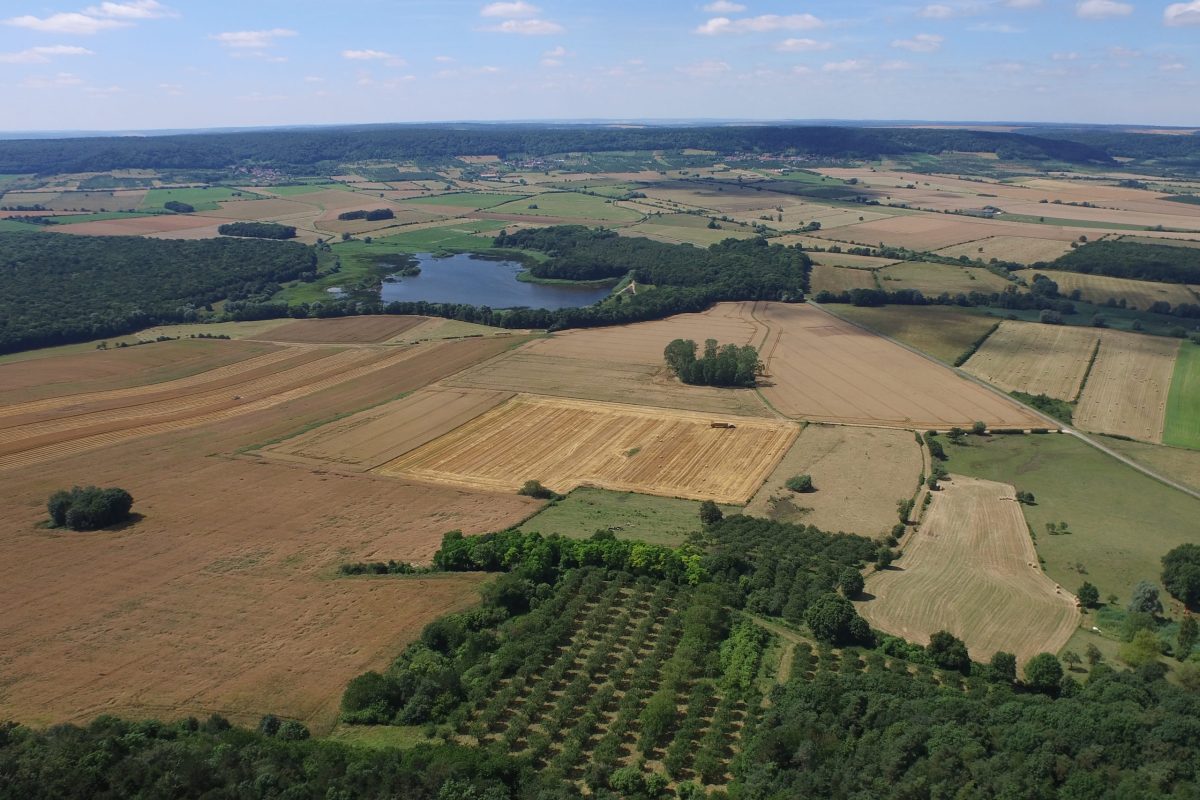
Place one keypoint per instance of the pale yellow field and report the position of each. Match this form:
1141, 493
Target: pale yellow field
1021, 249
569, 443
859, 474
1099, 288
845, 259
971, 569
1036, 359
1126, 393
934, 279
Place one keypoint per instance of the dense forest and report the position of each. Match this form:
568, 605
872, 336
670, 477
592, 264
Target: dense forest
312, 149
1151, 262
62, 289
258, 230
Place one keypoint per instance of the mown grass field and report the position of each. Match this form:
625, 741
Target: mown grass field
1121, 522
943, 333
1182, 426
568, 204
202, 199
657, 520
305, 188
468, 200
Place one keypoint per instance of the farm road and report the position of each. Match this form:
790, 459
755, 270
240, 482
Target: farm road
1051, 422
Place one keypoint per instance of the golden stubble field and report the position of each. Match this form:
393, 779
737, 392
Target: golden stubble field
569, 443
971, 569
1036, 359
222, 596
1099, 289
859, 475
1126, 393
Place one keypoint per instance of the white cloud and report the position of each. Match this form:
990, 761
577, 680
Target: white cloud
528, 27
1071, 56
705, 69
921, 43
172, 89
1022, 3
252, 40
895, 66
994, 27
554, 56
1102, 9
724, 7
60, 81
1173, 66
373, 55
937, 11
72, 23
1123, 53
1180, 14
802, 45
444, 59
849, 65
43, 55
761, 24
510, 10
136, 9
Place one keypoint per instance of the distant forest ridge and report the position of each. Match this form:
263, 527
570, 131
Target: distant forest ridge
312, 149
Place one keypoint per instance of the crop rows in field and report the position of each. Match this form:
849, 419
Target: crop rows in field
809, 661
578, 701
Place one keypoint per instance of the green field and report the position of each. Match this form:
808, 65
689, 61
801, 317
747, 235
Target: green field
569, 204
469, 200
934, 279
657, 520
1070, 223
943, 333
202, 199
13, 225
304, 188
99, 216
1182, 426
1121, 521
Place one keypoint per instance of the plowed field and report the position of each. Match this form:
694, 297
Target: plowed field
565, 444
972, 569
824, 369
1126, 393
1036, 359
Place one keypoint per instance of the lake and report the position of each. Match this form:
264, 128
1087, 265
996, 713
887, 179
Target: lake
470, 279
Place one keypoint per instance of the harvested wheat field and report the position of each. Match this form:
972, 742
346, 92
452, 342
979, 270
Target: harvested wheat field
842, 259
1126, 393
971, 569
824, 369
569, 443
137, 226
98, 370
1021, 249
914, 231
1099, 289
935, 279
859, 474
1036, 359
342, 330
840, 279
374, 437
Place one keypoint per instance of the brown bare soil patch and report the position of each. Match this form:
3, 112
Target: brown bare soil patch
1099, 289
137, 226
840, 279
100, 370
859, 474
342, 330
569, 443
1126, 393
823, 369
972, 569
374, 437
1036, 359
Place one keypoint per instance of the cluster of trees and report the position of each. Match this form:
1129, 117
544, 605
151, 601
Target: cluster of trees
374, 215
258, 230
1181, 574
322, 150
64, 289
179, 207
729, 365
1011, 298
1150, 262
745, 269
89, 508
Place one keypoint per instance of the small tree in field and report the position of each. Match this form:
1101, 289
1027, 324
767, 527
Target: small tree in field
537, 490
1093, 654
90, 508
1071, 659
851, 582
800, 483
1144, 599
979, 428
710, 513
1088, 595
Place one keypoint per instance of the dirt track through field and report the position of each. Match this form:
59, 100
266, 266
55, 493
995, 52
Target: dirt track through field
824, 369
568, 443
1036, 359
1126, 393
971, 568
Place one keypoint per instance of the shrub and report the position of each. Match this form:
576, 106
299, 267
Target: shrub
90, 508
535, 489
800, 483
1088, 595
710, 513
1044, 674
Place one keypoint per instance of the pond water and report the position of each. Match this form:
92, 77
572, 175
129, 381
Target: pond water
477, 281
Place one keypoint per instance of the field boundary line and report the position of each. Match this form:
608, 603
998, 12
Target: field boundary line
1054, 423
1087, 373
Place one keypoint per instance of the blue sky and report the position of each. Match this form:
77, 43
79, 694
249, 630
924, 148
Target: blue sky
138, 64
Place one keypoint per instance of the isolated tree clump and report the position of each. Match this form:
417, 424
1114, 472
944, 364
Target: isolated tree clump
800, 483
89, 508
710, 513
1144, 599
536, 490
1181, 574
1089, 595
947, 651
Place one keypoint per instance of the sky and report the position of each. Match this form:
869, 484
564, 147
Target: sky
156, 64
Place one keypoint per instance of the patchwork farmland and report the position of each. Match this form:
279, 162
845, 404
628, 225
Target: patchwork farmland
1036, 359
1126, 393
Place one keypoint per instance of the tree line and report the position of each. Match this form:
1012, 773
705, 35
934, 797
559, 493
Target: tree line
1149, 262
